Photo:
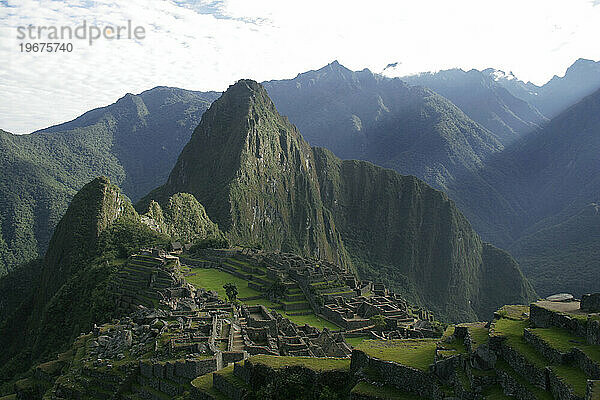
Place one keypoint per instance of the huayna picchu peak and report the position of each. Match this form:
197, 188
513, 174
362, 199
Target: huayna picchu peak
263, 184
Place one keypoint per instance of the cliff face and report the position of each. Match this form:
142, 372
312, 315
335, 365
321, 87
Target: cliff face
262, 183
403, 232
255, 175
93, 209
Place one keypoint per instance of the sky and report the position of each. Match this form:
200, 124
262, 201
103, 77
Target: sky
210, 44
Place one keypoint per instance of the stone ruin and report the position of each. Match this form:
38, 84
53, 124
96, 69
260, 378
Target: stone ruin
267, 332
590, 303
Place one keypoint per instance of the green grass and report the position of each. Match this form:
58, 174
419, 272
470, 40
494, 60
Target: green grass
263, 302
313, 363
386, 392
479, 334
596, 390
311, 319
463, 379
515, 312
214, 279
540, 394
416, 353
204, 383
563, 341
573, 377
513, 331
456, 344
355, 341
495, 393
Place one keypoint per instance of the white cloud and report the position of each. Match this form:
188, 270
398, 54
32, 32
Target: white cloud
207, 45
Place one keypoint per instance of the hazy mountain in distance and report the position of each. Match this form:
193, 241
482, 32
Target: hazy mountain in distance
484, 100
361, 115
581, 79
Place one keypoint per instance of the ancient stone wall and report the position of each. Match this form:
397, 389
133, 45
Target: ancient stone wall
519, 363
590, 302
399, 376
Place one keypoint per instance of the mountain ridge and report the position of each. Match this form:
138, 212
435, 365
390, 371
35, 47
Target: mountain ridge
217, 174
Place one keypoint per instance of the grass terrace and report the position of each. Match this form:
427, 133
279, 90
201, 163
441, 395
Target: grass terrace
495, 392
540, 394
572, 376
205, 384
563, 341
415, 353
384, 392
214, 279
515, 312
513, 331
355, 341
455, 344
313, 363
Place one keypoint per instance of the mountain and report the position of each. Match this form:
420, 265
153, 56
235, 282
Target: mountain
361, 115
581, 79
44, 305
255, 175
563, 254
134, 141
262, 183
401, 231
540, 186
484, 100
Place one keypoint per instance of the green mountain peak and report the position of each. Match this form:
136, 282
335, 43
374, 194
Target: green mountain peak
262, 183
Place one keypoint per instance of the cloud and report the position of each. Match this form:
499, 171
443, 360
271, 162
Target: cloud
209, 44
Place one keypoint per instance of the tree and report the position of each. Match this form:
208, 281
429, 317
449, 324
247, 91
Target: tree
379, 321
277, 289
231, 292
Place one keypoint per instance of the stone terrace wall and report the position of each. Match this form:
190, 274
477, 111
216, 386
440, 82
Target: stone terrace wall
541, 317
399, 376
519, 363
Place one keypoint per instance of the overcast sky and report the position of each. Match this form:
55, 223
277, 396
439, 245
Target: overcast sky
208, 45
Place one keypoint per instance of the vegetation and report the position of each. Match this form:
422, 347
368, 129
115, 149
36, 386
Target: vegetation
383, 392
277, 290
378, 321
249, 196
125, 141
416, 353
231, 292
314, 363
71, 290
212, 279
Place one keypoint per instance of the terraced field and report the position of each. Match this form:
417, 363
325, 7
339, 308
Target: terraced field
252, 283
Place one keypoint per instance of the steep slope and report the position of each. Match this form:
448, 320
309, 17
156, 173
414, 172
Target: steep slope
401, 231
255, 175
483, 100
367, 116
539, 185
60, 296
93, 209
134, 141
564, 254
183, 218
262, 183
581, 79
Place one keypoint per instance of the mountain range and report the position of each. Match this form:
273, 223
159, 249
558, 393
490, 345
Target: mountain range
134, 141
483, 137
262, 183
